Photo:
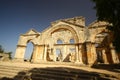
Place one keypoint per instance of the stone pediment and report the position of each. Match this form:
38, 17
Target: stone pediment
31, 31
97, 24
77, 21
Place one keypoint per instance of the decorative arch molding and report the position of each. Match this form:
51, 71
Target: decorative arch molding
99, 31
31, 36
24, 39
65, 27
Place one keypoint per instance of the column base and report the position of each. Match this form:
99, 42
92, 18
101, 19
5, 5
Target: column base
38, 61
18, 60
78, 62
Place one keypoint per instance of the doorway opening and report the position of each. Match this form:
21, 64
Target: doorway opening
99, 57
28, 52
58, 55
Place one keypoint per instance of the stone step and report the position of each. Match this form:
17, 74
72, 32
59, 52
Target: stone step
11, 71
65, 74
53, 73
7, 74
11, 74
59, 77
50, 73
62, 72
56, 73
13, 67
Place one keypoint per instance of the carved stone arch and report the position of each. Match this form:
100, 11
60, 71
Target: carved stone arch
97, 27
30, 36
102, 31
65, 27
30, 40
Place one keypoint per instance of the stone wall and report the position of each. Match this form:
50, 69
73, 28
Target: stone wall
88, 43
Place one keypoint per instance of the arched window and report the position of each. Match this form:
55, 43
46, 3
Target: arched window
59, 41
72, 41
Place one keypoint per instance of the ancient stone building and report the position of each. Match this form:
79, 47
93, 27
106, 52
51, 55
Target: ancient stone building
69, 40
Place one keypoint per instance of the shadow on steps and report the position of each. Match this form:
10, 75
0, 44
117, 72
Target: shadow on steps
59, 73
109, 67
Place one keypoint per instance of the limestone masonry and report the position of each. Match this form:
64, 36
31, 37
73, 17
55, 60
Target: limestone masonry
69, 40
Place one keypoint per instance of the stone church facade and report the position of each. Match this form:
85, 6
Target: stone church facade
69, 40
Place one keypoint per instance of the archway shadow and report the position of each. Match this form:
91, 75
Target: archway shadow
58, 73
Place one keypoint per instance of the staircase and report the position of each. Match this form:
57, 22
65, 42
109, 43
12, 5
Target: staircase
10, 72
61, 73
49, 73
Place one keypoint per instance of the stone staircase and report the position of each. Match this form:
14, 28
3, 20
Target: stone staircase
49, 73
61, 73
12, 72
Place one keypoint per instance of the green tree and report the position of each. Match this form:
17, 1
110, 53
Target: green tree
1, 49
109, 11
4, 52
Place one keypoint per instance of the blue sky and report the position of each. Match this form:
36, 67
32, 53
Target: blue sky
19, 16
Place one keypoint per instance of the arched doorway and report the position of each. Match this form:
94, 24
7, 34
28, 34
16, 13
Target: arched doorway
102, 46
28, 52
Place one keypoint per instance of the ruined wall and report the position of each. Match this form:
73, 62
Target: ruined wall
83, 49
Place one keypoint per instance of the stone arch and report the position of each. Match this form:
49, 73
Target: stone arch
104, 46
64, 50
22, 44
65, 27
97, 27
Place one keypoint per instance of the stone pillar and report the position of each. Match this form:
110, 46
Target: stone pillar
88, 50
34, 54
38, 54
45, 53
104, 55
93, 53
80, 53
20, 51
54, 52
76, 55
115, 58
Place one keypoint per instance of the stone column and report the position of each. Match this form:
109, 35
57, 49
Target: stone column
34, 54
54, 52
80, 53
93, 53
105, 56
76, 55
88, 51
114, 54
38, 54
20, 52
45, 53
